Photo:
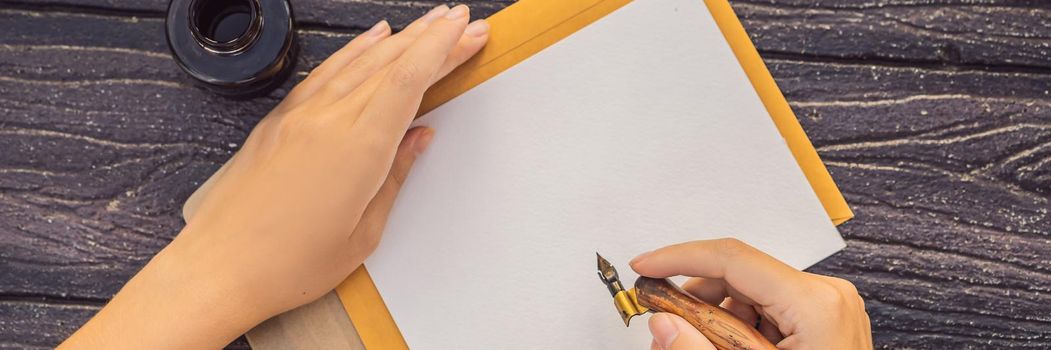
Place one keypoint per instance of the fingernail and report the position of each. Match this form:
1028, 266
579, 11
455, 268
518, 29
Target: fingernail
434, 13
477, 28
639, 258
664, 330
457, 12
423, 141
377, 29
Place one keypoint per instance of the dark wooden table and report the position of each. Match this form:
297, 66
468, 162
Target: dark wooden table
934, 117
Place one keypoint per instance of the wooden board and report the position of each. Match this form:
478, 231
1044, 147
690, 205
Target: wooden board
934, 116
322, 324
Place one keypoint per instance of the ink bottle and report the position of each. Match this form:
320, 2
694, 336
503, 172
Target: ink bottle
236, 48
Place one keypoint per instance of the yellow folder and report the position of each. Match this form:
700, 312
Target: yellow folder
529, 26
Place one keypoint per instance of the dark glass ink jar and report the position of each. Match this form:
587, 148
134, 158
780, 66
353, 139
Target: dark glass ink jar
237, 48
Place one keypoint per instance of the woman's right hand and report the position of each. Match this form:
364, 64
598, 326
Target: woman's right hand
794, 309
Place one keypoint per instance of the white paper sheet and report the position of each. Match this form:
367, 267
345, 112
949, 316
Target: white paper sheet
638, 131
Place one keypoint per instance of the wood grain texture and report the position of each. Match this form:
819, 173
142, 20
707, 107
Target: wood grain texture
934, 117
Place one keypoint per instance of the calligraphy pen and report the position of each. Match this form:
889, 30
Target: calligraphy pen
721, 327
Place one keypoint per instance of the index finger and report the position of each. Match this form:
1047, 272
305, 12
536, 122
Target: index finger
765, 280
398, 96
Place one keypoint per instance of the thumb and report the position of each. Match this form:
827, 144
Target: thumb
366, 236
671, 332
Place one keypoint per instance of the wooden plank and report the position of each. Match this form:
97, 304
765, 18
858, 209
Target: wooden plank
963, 33
39, 324
340, 15
1008, 33
948, 173
322, 324
98, 151
945, 158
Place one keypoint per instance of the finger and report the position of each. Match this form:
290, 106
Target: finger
674, 333
334, 64
793, 342
472, 41
353, 74
739, 297
366, 235
715, 291
769, 331
709, 290
397, 98
751, 272
745, 312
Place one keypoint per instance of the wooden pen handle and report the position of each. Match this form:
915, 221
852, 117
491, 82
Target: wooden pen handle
721, 327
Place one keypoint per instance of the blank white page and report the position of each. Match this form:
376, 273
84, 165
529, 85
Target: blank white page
638, 131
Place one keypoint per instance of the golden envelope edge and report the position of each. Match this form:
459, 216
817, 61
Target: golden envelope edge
520, 31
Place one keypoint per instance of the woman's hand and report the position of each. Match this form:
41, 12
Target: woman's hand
794, 309
303, 203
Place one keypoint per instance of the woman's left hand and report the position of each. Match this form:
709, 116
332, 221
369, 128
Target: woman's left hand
303, 203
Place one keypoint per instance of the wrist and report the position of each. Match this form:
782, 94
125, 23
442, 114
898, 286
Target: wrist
205, 287
174, 302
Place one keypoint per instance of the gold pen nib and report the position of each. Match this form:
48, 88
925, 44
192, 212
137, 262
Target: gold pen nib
625, 301
609, 276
